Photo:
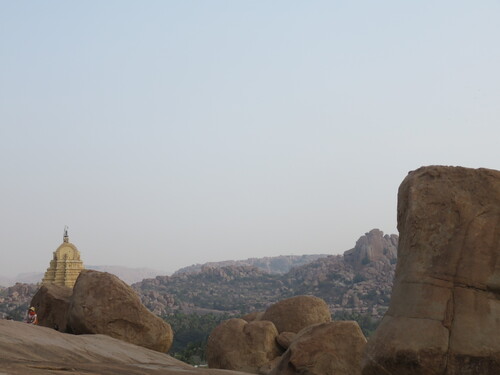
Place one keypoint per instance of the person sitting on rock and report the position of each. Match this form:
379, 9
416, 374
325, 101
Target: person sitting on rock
31, 317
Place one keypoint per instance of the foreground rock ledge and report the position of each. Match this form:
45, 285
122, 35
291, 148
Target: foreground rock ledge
28, 349
445, 307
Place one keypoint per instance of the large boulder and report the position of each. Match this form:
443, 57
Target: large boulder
103, 304
51, 303
334, 348
236, 344
444, 313
296, 313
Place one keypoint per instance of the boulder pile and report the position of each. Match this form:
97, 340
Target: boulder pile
293, 336
100, 303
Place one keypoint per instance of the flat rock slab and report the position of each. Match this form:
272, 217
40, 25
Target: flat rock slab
28, 349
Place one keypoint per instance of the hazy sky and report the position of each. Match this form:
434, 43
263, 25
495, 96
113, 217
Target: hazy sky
167, 133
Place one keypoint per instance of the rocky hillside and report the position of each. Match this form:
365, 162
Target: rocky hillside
14, 300
127, 274
214, 289
274, 265
358, 281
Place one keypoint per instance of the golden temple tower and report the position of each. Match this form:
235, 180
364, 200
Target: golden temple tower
65, 266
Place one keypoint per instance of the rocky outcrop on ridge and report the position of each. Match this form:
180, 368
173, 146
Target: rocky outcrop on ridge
35, 350
372, 248
444, 315
359, 281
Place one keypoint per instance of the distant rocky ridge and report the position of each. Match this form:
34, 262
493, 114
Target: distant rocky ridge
359, 281
127, 274
274, 265
24, 278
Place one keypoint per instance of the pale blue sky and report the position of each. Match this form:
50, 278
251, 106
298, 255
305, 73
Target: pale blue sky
166, 133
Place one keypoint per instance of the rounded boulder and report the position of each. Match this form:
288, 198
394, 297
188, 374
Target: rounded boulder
238, 345
51, 303
334, 348
296, 313
103, 304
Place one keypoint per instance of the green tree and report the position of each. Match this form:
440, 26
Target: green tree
191, 333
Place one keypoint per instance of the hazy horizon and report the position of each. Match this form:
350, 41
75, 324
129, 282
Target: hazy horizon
169, 271
168, 133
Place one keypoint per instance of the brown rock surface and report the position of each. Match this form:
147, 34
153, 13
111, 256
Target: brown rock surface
238, 345
285, 339
444, 312
51, 303
333, 348
28, 349
269, 367
293, 314
103, 304
253, 316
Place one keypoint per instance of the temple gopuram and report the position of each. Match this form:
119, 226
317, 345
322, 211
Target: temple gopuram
65, 266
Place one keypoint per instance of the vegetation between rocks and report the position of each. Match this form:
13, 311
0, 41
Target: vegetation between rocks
191, 333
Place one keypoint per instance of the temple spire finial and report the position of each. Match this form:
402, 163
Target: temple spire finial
65, 236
